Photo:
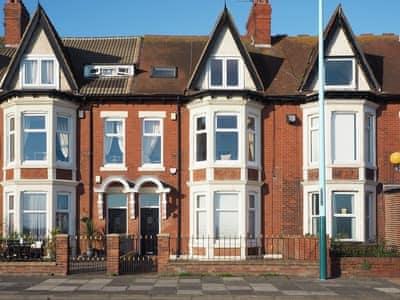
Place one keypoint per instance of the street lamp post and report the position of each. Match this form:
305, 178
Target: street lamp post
322, 169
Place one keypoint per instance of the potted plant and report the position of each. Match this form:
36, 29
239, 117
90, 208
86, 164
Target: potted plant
90, 232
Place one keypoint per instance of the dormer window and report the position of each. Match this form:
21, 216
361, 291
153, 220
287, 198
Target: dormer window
108, 71
224, 72
340, 73
39, 72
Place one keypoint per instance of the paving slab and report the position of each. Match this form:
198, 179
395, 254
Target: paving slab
389, 290
166, 283
190, 292
190, 280
64, 288
213, 287
140, 288
76, 281
296, 293
263, 287
114, 289
40, 287
238, 288
146, 280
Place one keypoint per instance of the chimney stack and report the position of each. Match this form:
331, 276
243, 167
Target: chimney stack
259, 23
16, 19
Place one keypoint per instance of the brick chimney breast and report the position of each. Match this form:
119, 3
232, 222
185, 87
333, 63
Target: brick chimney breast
16, 19
259, 23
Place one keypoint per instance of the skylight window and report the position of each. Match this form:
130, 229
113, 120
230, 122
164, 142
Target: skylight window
108, 71
164, 72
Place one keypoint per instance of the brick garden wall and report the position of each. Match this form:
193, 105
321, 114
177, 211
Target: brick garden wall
369, 266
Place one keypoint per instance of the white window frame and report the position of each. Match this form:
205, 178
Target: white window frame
23, 211
311, 198
38, 83
237, 130
45, 130
197, 211
91, 71
67, 211
369, 138
356, 133
153, 166
220, 239
114, 165
11, 133
198, 132
310, 140
224, 84
353, 84
10, 213
69, 132
252, 132
352, 215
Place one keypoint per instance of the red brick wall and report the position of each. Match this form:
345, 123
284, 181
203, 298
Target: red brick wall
345, 173
34, 174
9, 174
283, 204
313, 174
199, 175
369, 266
63, 174
226, 174
16, 18
252, 174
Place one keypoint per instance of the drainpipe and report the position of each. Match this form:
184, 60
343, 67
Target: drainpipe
179, 173
91, 135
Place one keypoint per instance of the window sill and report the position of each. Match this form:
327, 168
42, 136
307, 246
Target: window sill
151, 168
113, 168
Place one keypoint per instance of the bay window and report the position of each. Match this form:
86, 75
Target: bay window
34, 137
34, 215
226, 137
152, 141
114, 141
226, 213
63, 137
344, 137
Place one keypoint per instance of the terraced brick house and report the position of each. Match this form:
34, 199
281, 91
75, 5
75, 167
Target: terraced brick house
197, 136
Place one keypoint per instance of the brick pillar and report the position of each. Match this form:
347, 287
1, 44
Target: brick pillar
163, 252
62, 245
113, 254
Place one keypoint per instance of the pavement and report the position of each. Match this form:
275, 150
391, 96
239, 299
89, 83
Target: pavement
140, 287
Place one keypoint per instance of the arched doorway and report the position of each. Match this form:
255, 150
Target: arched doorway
117, 213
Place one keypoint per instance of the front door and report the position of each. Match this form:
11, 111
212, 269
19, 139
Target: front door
116, 213
149, 223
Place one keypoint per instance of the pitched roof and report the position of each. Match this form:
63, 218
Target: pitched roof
225, 20
102, 51
40, 19
337, 21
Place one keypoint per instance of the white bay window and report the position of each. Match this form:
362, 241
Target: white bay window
226, 137
34, 215
226, 212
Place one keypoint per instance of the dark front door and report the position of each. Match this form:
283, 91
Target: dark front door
149, 230
117, 220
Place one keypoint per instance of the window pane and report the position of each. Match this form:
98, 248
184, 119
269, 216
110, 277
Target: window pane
11, 202
314, 146
226, 122
152, 127
232, 72
116, 200
226, 201
344, 137
252, 224
201, 146
34, 202
62, 139
12, 124
114, 152
11, 150
201, 226
201, 123
149, 200
62, 202
47, 72
11, 223
226, 224
30, 71
343, 204
315, 204
216, 72
315, 228
35, 146
34, 122
201, 202
344, 228
113, 127
34, 224
252, 201
62, 221
369, 138
226, 146
339, 72
151, 152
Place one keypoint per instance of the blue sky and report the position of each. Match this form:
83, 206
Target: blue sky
194, 17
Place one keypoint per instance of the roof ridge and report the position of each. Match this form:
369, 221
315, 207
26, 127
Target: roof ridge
102, 37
